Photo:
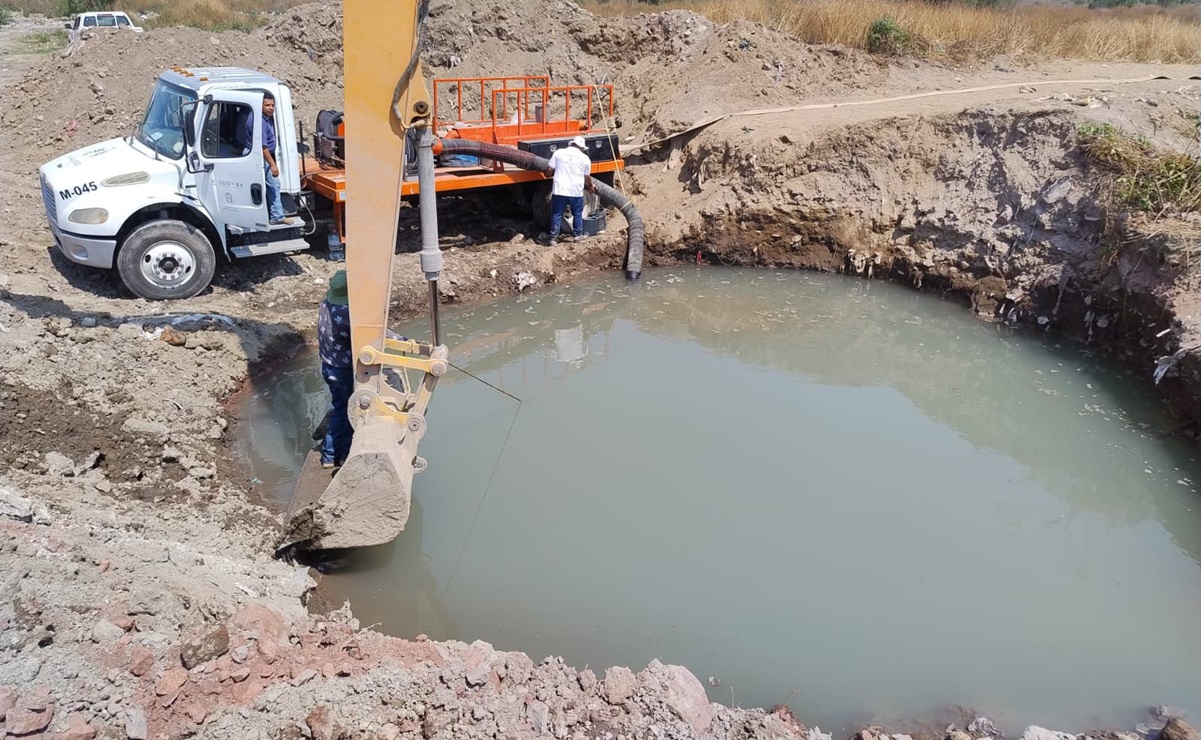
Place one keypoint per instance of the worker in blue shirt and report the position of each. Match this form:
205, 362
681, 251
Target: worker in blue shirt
275, 207
337, 368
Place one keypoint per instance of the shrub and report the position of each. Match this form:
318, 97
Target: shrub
886, 36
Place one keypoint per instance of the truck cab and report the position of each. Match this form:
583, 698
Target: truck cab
100, 21
187, 183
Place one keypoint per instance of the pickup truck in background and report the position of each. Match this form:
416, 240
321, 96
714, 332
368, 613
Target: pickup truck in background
95, 21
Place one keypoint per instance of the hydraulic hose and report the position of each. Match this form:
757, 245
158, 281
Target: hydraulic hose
635, 233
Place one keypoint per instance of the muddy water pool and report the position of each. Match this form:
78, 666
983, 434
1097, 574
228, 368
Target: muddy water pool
839, 495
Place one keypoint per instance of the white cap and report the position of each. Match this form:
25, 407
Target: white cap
579, 141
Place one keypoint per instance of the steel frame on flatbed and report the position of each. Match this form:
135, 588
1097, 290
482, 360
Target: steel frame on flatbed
506, 120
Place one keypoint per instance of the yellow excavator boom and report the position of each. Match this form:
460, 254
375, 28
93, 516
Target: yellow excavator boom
387, 106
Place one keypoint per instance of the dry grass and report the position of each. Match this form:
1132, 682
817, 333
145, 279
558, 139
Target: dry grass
40, 42
1142, 34
1151, 198
215, 15
210, 15
1145, 178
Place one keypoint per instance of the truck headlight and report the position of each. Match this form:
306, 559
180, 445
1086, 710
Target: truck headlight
91, 216
129, 178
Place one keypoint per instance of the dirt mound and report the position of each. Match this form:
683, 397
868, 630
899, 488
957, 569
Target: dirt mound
99, 89
493, 38
671, 69
314, 30
698, 69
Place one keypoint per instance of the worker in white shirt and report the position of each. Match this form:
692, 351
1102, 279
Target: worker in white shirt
571, 167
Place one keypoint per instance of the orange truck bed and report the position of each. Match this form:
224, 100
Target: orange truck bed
511, 111
331, 183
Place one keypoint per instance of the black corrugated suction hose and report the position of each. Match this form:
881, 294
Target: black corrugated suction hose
635, 234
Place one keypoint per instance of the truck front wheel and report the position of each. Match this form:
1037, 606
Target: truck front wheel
163, 260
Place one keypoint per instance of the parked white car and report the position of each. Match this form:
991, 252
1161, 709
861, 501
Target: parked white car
96, 21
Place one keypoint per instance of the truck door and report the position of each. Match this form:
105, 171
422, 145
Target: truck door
229, 178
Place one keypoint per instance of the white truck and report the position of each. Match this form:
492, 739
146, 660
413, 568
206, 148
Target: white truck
100, 20
159, 203
164, 203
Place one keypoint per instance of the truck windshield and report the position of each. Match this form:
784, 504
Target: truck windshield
162, 128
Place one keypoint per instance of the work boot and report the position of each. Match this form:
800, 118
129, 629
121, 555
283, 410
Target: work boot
286, 221
579, 237
548, 239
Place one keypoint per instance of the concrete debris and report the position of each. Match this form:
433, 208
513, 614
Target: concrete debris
300, 679
1177, 729
59, 464
983, 727
619, 684
135, 724
105, 631
141, 660
477, 663
173, 336
29, 717
1034, 732
687, 698
204, 648
15, 507
8, 700
171, 681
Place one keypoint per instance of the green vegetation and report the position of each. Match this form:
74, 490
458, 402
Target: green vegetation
1144, 178
886, 36
40, 42
6, 15
66, 8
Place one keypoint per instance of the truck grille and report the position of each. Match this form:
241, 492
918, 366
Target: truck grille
50, 203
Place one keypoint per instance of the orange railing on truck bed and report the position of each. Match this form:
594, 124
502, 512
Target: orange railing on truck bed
512, 109
498, 110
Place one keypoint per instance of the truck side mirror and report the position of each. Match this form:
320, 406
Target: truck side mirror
189, 126
67, 25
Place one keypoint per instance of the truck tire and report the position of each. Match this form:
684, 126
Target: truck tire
540, 206
167, 259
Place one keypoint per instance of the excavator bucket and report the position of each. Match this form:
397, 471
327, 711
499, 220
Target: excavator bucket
366, 502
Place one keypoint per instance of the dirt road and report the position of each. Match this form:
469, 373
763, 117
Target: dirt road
140, 598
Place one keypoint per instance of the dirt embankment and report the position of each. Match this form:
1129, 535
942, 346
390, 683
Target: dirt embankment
994, 203
139, 598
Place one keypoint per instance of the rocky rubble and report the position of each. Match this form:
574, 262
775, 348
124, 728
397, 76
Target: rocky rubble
194, 656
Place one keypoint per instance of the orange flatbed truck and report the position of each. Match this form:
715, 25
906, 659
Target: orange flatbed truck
188, 185
517, 112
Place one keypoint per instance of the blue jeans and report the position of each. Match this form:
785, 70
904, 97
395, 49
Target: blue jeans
558, 204
275, 207
338, 436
